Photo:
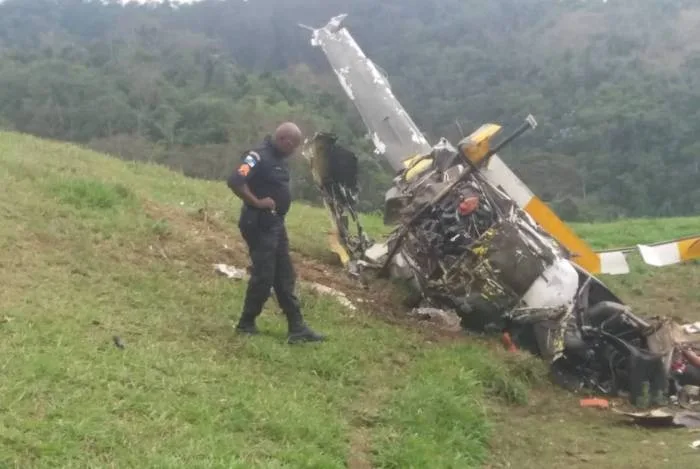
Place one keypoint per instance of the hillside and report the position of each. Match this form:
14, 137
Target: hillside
93, 247
613, 84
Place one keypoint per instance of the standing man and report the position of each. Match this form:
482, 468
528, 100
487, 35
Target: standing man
261, 181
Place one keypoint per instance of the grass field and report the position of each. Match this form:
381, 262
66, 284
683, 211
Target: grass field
94, 248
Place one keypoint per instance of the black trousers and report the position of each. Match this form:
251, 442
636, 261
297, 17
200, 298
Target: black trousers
268, 247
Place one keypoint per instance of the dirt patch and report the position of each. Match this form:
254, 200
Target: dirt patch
360, 448
200, 239
553, 428
366, 410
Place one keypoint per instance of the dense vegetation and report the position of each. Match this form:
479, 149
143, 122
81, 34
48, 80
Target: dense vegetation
615, 85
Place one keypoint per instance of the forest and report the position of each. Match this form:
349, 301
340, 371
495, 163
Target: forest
615, 86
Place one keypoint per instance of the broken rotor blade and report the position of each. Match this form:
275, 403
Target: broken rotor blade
671, 252
662, 253
393, 132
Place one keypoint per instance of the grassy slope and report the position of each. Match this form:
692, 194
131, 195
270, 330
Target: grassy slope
93, 247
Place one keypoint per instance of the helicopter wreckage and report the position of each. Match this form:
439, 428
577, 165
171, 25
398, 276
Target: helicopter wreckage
472, 238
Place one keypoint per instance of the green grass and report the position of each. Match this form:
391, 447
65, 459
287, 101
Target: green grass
92, 248
630, 232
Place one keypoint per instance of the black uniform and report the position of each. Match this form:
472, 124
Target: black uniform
266, 172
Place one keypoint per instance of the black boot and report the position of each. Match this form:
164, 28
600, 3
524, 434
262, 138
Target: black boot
247, 329
304, 334
299, 332
246, 325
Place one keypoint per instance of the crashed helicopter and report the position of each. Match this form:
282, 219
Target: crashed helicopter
471, 237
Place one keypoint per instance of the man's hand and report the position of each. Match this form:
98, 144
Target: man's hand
265, 204
243, 191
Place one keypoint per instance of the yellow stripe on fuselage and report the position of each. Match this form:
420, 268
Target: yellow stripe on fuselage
498, 173
581, 253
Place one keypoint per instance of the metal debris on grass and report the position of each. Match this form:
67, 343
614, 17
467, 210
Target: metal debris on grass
443, 317
596, 403
230, 271
664, 417
235, 273
118, 342
339, 296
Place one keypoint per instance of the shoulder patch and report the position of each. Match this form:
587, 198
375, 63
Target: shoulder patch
244, 170
251, 159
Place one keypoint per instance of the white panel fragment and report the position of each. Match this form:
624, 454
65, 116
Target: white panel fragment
556, 287
665, 254
613, 263
377, 252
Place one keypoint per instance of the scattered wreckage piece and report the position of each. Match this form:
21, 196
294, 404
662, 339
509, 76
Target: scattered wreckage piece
445, 319
235, 273
394, 134
230, 271
664, 417
670, 252
334, 171
339, 296
594, 403
471, 237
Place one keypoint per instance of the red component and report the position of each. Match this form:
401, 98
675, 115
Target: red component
507, 342
678, 366
594, 402
468, 205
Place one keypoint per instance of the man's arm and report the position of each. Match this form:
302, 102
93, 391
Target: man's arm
238, 182
243, 193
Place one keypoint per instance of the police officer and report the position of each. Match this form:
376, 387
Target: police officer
261, 181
